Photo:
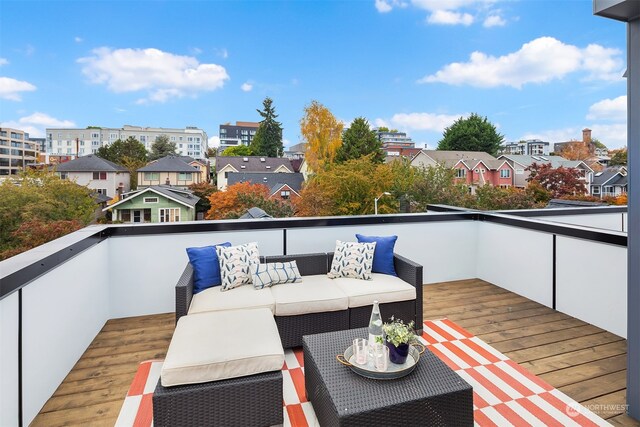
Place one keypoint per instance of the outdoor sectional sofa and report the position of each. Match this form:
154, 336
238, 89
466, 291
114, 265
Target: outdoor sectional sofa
211, 376
317, 304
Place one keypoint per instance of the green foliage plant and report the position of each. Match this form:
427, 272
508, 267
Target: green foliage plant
397, 332
359, 140
474, 133
268, 138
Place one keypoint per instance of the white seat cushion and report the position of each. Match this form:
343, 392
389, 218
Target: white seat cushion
242, 297
382, 288
220, 345
315, 294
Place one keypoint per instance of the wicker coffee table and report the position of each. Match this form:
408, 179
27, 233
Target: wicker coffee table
432, 395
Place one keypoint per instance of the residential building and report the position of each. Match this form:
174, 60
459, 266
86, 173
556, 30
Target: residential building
520, 164
170, 170
609, 182
102, 176
157, 203
42, 143
16, 151
530, 147
475, 168
190, 141
241, 133
394, 152
229, 164
393, 137
296, 151
586, 139
281, 185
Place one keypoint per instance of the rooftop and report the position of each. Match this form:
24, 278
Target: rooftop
90, 163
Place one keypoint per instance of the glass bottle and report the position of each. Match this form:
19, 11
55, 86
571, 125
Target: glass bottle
375, 325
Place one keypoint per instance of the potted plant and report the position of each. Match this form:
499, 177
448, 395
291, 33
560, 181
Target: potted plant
398, 337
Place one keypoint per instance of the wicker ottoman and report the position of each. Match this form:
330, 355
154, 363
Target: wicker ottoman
222, 368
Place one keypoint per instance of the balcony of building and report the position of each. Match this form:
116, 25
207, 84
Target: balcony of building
80, 313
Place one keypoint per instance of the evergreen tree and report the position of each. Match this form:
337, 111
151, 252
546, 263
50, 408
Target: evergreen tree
268, 138
162, 147
474, 133
359, 140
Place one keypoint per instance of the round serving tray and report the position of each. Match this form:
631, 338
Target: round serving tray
393, 370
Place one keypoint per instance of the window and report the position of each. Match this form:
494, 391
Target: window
96, 143
608, 189
100, 175
504, 186
82, 143
595, 190
505, 173
461, 173
143, 138
150, 200
125, 215
173, 138
285, 194
184, 176
226, 175
64, 175
152, 176
102, 191
169, 214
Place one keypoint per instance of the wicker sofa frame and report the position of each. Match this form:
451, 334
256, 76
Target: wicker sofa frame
292, 328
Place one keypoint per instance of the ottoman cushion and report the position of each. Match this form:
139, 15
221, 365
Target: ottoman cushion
220, 345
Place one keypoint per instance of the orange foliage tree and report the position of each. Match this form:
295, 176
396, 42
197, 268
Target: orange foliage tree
239, 197
577, 150
322, 133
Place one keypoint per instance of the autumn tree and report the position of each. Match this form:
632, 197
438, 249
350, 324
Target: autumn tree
559, 182
268, 138
359, 140
576, 150
239, 197
322, 133
203, 190
618, 157
37, 207
347, 188
212, 152
489, 197
129, 153
474, 133
162, 147
238, 150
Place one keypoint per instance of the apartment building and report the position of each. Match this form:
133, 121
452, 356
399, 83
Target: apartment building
16, 151
241, 133
190, 141
530, 147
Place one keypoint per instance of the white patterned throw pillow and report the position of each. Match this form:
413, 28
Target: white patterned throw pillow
274, 273
235, 264
352, 259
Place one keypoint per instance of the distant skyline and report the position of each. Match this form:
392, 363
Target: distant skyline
536, 69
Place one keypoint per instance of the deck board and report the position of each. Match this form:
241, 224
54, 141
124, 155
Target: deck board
583, 361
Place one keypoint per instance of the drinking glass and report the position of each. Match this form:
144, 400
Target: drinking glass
381, 357
361, 350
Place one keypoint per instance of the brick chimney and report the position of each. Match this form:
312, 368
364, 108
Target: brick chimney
586, 136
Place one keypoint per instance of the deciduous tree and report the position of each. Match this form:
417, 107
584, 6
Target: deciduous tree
239, 197
238, 150
618, 157
129, 153
576, 150
559, 182
489, 197
322, 133
203, 190
359, 140
474, 133
437, 185
268, 138
162, 147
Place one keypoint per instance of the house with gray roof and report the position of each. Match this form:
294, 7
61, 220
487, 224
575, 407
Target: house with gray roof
230, 164
156, 203
609, 182
170, 170
520, 164
281, 185
104, 177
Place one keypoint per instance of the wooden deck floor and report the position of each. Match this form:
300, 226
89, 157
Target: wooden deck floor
579, 359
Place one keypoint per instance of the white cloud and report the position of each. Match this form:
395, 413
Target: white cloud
246, 87
78, 39
195, 50
539, 61
609, 109
214, 141
555, 135
384, 6
447, 17
433, 5
419, 121
3, 61
12, 88
162, 75
223, 53
494, 21
36, 123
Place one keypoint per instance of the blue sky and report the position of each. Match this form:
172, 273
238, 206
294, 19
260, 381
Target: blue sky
535, 68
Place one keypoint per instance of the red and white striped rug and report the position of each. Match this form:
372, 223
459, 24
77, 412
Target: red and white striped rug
504, 393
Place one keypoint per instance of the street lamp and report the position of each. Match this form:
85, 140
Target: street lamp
375, 201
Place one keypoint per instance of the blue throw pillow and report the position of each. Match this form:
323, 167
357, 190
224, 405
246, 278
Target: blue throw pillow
383, 254
206, 266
